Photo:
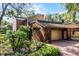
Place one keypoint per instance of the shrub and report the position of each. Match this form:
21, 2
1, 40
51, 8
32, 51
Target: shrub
24, 28
35, 45
17, 39
3, 30
27, 29
21, 54
2, 38
46, 51
40, 49
20, 37
32, 46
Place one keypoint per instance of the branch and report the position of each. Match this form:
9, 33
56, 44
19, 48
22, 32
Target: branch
3, 12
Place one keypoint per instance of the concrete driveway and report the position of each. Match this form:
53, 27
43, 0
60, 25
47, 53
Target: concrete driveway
67, 48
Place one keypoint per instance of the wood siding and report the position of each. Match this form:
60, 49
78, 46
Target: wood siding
19, 23
38, 32
37, 35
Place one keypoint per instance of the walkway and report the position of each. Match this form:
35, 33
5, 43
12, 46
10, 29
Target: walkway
67, 48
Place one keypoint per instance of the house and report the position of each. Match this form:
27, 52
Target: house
43, 30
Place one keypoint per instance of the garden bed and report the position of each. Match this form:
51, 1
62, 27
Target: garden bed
18, 44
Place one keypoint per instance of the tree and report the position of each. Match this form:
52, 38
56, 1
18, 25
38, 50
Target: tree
49, 17
72, 8
67, 17
19, 9
57, 17
4, 8
54, 17
15, 9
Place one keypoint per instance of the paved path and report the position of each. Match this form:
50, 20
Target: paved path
67, 48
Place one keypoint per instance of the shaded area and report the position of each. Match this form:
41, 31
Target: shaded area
64, 43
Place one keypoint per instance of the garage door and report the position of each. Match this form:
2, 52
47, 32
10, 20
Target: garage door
56, 34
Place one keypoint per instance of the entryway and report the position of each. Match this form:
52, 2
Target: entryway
64, 34
59, 34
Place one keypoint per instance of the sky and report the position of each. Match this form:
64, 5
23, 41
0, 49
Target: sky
47, 8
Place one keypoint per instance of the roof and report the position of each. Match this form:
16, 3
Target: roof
56, 24
45, 23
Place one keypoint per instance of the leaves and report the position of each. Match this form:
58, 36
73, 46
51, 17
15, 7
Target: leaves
54, 17
19, 9
72, 8
15, 9
4, 8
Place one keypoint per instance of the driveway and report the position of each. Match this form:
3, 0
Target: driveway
67, 48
